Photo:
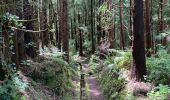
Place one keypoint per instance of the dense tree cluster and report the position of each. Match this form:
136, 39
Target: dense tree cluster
83, 26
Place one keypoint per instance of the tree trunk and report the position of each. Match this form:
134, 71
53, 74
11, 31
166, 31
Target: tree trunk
60, 23
80, 37
65, 30
131, 22
148, 27
138, 48
45, 34
92, 27
121, 25
160, 16
75, 30
27, 15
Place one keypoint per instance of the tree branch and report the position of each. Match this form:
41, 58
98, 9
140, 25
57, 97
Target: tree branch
27, 20
29, 31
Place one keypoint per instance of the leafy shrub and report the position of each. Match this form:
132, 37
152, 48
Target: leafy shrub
159, 68
10, 89
126, 95
159, 93
55, 73
120, 59
94, 64
111, 83
124, 61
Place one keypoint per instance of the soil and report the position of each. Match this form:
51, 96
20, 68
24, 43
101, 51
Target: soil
95, 92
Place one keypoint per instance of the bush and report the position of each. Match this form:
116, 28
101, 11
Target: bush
159, 68
111, 83
11, 89
124, 61
159, 93
55, 73
94, 64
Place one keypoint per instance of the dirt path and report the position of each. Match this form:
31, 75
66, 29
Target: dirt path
95, 92
94, 88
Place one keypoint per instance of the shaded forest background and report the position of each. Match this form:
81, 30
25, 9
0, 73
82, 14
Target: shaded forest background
128, 35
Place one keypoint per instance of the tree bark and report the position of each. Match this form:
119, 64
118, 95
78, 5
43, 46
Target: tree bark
60, 23
160, 16
28, 37
138, 48
80, 37
65, 30
148, 27
131, 21
121, 25
92, 27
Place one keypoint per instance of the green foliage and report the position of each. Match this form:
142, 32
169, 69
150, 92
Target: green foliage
161, 92
94, 63
10, 89
72, 47
111, 83
159, 68
124, 61
87, 45
7, 20
126, 95
56, 74
106, 15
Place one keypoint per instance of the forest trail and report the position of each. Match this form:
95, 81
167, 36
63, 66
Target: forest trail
94, 87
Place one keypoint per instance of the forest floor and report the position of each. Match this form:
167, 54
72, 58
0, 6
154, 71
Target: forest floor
94, 90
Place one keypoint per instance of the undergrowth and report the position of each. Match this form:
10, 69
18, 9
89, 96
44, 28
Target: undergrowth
56, 74
11, 89
160, 92
111, 79
159, 68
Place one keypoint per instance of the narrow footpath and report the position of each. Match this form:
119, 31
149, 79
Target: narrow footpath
94, 87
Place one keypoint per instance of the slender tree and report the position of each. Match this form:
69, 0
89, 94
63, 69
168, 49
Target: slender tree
60, 23
148, 27
160, 16
121, 25
80, 37
130, 22
65, 30
28, 37
92, 26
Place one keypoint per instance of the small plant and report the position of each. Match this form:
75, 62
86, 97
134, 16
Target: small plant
159, 68
159, 93
124, 61
126, 95
111, 83
10, 90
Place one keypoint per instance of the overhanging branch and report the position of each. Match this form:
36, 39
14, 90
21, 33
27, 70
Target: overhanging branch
29, 31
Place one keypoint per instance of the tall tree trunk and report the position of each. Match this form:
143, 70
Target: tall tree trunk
80, 37
75, 30
121, 25
92, 27
65, 30
99, 27
111, 27
138, 48
45, 34
160, 16
60, 23
5, 49
27, 15
56, 29
131, 22
148, 27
